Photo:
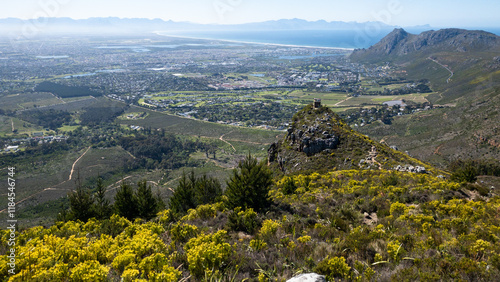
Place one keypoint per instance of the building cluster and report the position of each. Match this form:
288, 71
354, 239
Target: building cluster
37, 137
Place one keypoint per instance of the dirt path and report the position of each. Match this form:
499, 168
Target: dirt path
116, 183
51, 188
31, 196
74, 164
338, 103
221, 139
372, 157
451, 72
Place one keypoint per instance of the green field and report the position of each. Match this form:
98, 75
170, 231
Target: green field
192, 127
380, 99
28, 101
21, 127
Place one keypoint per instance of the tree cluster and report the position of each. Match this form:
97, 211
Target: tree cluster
51, 119
98, 115
128, 203
247, 188
193, 191
159, 150
65, 91
468, 170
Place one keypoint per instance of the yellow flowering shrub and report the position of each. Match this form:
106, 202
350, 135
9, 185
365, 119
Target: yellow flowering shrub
257, 245
334, 268
58, 272
153, 263
89, 271
269, 228
207, 252
304, 239
182, 232
130, 274
167, 274
203, 212
165, 217
122, 260
394, 250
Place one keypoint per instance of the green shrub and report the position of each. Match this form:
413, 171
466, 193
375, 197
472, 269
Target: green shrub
333, 268
246, 221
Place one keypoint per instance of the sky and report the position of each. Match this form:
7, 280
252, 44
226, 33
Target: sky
437, 13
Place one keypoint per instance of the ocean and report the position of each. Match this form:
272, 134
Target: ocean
350, 39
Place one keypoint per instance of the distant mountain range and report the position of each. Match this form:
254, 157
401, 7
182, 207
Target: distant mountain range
119, 25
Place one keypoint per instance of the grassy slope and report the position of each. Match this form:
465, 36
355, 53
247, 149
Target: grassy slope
469, 128
371, 225
185, 126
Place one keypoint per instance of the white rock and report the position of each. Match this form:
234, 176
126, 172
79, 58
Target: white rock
308, 277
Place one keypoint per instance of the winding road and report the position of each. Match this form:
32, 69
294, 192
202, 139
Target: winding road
451, 72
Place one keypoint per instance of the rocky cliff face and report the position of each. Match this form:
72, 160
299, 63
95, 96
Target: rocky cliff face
401, 43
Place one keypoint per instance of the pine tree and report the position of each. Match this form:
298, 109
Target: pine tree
159, 201
249, 185
183, 198
81, 203
126, 202
147, 204
207, 190
102, 206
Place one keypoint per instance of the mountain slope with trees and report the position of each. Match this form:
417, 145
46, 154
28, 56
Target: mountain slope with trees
365, 224
464, 70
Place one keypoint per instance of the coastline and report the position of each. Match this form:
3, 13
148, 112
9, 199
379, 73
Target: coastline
160, 33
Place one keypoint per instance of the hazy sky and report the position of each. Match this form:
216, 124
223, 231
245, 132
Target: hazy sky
437, 13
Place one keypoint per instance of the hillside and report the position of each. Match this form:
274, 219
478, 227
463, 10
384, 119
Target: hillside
365, 221
319, 140
464, 69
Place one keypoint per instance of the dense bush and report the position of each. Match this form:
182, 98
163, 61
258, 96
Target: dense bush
193, 191
65, 91
350, 225
249, 185
51, 119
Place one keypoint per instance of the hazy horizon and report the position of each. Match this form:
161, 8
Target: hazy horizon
480, 14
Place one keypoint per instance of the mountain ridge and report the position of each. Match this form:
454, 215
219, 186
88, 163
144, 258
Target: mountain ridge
400, 43
463, 67
142, 24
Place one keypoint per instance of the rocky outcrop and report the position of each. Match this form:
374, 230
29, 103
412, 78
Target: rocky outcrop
311, 147
410, 168
313, 139
308, 277
319, 140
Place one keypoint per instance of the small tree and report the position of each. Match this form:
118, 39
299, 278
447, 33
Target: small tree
249, 185
183, 198
102, 206
126, 202
81, 204
465, 173
206, 190
193, 191
147, 205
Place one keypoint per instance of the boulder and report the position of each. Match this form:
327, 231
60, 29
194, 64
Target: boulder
317, 145
308, 277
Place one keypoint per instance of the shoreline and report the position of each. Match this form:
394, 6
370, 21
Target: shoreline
256, 43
